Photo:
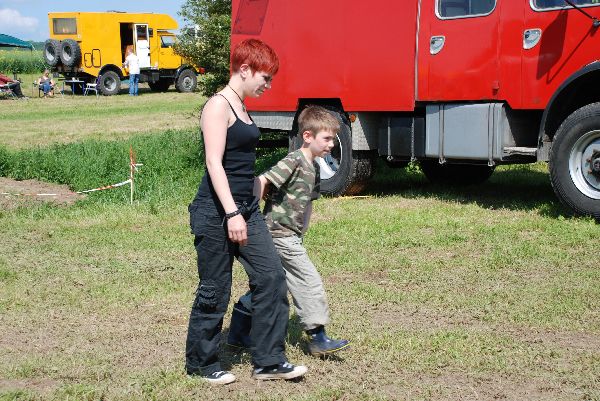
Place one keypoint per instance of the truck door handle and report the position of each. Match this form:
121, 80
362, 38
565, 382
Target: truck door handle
531, 37
436, 43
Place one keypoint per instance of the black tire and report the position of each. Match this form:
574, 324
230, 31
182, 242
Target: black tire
344, 171
186, 81
160, 85
576, 147
52, 52
70, 53
455, 174
109, 83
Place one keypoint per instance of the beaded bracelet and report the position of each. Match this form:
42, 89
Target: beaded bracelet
230, 215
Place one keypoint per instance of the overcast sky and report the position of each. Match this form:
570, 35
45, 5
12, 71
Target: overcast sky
28, 19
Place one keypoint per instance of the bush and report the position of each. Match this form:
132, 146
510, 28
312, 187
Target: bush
21, 62
207, 43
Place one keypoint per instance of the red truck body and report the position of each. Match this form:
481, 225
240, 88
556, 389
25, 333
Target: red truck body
409, 63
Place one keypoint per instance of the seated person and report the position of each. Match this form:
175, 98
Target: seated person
46, 84
15, 86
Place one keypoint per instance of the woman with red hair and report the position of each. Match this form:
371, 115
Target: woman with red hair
227, 223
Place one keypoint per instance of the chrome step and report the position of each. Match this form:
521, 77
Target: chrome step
520, 150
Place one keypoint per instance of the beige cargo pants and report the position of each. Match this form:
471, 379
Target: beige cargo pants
303, 281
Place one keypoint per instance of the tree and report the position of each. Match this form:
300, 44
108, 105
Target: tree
205, 40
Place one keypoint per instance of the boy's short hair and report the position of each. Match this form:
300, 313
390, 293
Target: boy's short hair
257, 54
316, 118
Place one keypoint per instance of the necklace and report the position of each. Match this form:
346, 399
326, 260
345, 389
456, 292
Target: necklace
243, 105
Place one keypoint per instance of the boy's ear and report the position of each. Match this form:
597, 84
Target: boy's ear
307, 136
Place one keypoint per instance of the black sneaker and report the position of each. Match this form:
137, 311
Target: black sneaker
285, 371
220, 377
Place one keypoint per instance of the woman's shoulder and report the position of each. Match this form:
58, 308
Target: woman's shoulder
216, 105
217, 101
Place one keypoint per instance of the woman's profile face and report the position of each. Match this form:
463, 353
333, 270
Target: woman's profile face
261, 81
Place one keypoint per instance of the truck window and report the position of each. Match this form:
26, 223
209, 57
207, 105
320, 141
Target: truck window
464, 8
141, 32
167, 41
554, 4
64, 26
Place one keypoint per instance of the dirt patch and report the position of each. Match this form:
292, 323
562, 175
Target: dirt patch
18, 193
42, 386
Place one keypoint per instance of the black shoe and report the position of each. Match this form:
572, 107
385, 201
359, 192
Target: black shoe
239, 329
285, 371
221, 377
320, 344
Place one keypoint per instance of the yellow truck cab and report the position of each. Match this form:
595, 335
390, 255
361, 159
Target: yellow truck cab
91, 47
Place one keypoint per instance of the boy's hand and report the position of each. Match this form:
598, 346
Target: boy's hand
236, 227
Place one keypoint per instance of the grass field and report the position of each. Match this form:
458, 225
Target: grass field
480, 293
62, 119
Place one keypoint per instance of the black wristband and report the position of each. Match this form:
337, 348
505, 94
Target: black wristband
230, 215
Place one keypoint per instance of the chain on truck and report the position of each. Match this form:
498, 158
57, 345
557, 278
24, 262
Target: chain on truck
460, 86
91, 48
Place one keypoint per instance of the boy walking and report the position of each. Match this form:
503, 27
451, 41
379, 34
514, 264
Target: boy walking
290, 187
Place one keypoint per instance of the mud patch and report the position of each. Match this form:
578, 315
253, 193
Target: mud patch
20, 193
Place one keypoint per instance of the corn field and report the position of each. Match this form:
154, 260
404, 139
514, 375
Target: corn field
21, 62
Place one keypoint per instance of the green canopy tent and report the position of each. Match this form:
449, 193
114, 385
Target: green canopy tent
11, 41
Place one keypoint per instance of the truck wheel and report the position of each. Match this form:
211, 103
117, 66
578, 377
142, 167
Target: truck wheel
455, 174
161, 85
575, 161
343, 171
187, 81
52, 52
109, 83
70, 53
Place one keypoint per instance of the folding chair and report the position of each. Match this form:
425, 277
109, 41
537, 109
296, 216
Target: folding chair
6, 91
40, 89
92, 87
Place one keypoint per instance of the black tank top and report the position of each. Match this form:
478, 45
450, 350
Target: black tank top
238, 161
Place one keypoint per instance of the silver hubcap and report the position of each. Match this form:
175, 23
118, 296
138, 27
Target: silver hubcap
581, 164
109, 83
187, 83
330, 164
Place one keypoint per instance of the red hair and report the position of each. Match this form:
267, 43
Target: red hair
257, 54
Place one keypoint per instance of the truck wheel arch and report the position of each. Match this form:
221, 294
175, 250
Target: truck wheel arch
575, 92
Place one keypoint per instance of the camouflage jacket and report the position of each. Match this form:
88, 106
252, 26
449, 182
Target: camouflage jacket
294, 184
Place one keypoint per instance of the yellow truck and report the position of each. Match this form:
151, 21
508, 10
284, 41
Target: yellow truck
91, 47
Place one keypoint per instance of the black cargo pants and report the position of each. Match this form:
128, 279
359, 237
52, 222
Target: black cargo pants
270, 306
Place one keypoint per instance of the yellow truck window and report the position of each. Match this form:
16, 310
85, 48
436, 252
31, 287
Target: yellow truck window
167, 41
64, 26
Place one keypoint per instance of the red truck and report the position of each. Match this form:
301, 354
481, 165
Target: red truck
460, 86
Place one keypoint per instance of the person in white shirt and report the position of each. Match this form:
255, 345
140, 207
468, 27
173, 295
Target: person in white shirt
132, 63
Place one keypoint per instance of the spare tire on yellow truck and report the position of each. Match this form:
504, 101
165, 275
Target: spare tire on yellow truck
91, 47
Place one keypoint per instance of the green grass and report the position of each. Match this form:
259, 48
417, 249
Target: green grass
486, 292
66, 119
